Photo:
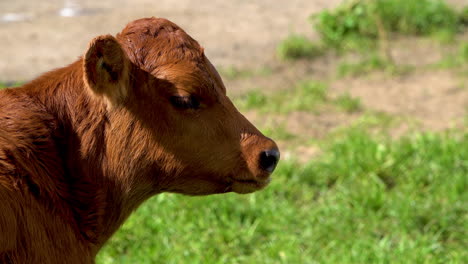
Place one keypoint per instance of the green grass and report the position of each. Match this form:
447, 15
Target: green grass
253, 99
368, 26
10, 84
364, 200
305, 96
296, 46
444, 36
371, 63
365, 66
233, 72
348, 103
278, 132
464, 16
374, 120
359, 20
361, 24
458, 59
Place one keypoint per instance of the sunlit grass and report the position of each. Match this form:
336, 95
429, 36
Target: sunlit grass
9, 84
348, 103
305, 96
359, 21
233, 72
457, 59
296, 47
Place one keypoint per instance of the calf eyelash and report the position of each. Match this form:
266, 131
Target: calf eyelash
185, 102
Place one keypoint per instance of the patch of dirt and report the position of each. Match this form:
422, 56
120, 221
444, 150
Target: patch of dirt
284, 75
305, 127
436, 99
242, 33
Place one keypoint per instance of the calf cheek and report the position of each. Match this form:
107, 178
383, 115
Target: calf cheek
213, 145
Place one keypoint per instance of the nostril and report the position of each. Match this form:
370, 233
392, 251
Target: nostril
269, 159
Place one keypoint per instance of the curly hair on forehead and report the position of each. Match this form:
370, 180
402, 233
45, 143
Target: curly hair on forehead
153, 42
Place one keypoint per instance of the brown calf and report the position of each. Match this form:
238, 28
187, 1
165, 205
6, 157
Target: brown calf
83, 146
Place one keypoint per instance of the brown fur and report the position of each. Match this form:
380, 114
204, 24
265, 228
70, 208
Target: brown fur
83, 146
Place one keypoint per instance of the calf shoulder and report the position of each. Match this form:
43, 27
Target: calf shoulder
36, 225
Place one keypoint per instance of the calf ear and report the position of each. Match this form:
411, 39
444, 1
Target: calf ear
106, 69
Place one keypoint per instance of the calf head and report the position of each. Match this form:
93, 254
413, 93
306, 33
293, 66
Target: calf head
171, 126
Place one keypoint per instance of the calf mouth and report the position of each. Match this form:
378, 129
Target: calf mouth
248, 185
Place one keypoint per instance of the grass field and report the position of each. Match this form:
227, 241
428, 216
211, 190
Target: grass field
365, 200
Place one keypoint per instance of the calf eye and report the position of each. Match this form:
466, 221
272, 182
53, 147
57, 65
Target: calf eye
185, 102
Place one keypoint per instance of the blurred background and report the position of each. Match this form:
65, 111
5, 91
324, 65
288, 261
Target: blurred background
237, 32
368, 100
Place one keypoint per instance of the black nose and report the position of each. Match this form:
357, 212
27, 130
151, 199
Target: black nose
269, 159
